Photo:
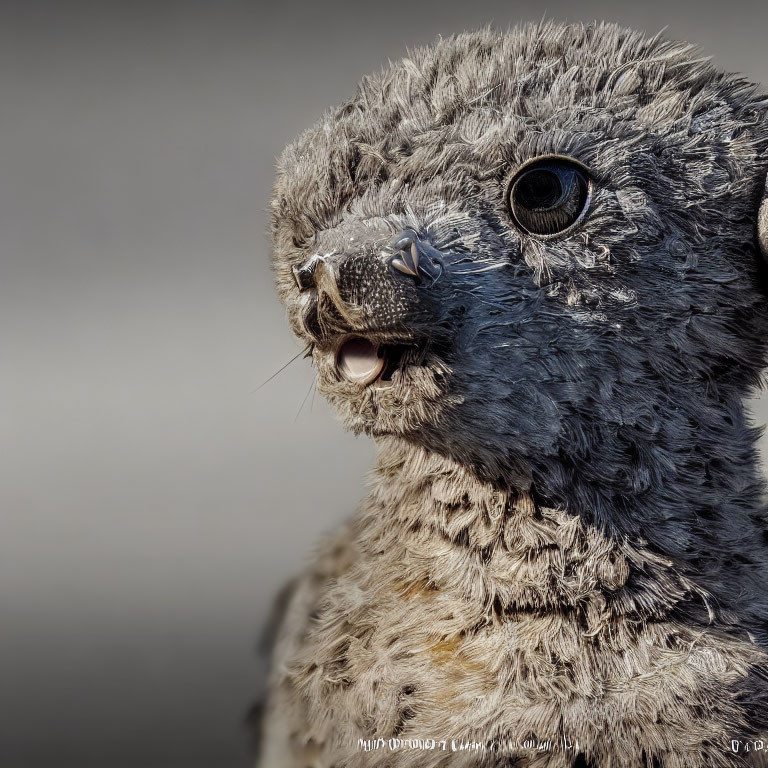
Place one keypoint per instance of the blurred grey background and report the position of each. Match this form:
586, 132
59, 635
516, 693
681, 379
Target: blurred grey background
151, 502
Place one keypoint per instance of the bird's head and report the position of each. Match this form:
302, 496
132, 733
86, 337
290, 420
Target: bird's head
512, 247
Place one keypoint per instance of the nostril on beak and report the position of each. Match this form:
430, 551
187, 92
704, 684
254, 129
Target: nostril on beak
305, 274
406, 258
415, 257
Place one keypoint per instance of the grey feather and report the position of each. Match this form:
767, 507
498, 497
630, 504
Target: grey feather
564, 536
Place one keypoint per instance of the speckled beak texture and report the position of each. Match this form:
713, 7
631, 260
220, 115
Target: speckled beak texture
561, 559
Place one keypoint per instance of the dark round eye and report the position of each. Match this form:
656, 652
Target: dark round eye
548, 196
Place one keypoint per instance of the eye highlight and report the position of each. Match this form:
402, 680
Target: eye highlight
548, 196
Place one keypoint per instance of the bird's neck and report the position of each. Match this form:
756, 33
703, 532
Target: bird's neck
520, 552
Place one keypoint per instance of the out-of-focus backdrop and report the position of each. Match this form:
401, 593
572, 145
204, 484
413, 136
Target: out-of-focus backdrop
152, 501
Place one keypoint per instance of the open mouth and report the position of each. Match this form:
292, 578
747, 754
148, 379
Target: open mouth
363, 361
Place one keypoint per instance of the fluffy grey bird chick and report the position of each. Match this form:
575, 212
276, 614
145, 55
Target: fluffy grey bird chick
529, 266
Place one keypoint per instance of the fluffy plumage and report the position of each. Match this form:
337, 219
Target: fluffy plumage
564, 536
